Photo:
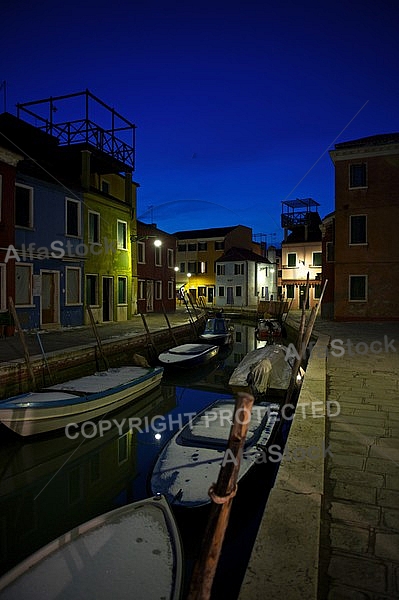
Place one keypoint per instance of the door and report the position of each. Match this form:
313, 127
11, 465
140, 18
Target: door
108, 305
230, 298
302, 293
150, 295
49, 298
210, 295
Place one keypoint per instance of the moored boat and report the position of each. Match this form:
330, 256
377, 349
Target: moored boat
270, 330
188, 355
217, 331
190, 462
132, 551
265, 370
77, 400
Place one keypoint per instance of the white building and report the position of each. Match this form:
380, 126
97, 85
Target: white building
244, 278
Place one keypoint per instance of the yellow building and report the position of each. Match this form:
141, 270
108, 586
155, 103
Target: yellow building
197, 252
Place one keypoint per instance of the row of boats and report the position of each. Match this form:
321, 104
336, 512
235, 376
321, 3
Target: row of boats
126, 547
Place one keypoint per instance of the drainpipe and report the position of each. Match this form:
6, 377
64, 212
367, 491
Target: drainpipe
85, 174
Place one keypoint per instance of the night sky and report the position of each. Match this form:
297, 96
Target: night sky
236, 103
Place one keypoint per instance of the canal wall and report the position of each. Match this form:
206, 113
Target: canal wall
284, 562
77, 361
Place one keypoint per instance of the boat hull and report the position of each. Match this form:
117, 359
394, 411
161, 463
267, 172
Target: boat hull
60, 405
190, 462
133, 551
187, 356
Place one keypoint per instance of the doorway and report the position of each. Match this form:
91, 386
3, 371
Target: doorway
150, 295
50, 298
302, 294
108, 305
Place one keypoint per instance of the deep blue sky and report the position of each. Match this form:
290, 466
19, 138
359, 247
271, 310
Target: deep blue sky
234, 101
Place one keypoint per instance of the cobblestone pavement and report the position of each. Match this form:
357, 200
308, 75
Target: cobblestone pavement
360, 520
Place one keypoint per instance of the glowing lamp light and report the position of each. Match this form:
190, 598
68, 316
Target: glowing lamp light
157, 243
157, 436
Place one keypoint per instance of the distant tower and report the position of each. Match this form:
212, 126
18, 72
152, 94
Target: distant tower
300, 216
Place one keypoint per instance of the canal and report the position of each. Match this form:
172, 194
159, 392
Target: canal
50, 484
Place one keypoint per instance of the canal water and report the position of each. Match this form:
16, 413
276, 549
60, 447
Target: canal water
50, 484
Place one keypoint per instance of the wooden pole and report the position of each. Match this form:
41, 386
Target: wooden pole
149, 336
222, 494
23, 342
94, 327
169, 326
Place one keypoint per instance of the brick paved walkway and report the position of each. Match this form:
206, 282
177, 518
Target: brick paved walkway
360, 514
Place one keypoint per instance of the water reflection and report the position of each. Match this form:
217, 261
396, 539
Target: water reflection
51, 484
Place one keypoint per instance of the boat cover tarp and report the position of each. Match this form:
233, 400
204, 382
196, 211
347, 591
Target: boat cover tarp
264, 368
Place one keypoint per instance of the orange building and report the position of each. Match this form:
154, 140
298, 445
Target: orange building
366, 228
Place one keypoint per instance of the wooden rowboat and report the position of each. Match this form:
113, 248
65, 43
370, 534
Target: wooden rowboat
131, 552
77, 400
188, 355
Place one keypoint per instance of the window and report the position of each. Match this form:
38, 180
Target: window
72, 217
94, 227
221, 290
219, 245
316, 259
122, 290
104, 186
92, 290
171, 290
317, 291
192, 266
23, 284
158, 256
357, 175
23, 206
202, 246
238, 290
239, 269
158, 290
358, 229
141, 290
330, 251
191, 247
291, 259
171, 258
141, 252
202, 267
72, 276
181, 247
182, 267
122, 235
220, 269
290, 291
201, 290
358, 288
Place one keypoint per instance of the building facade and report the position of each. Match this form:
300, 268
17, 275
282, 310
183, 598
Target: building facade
366, 222
244, 278
301, 252
197, 253
154, 253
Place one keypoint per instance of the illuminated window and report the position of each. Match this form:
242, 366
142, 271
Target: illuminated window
122, 235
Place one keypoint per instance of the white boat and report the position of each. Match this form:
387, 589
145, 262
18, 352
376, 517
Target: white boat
190, 462
217, 331
131, 552
188, 355
264, 370
77, 400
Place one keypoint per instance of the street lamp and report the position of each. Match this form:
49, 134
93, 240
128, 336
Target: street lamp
141, 238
